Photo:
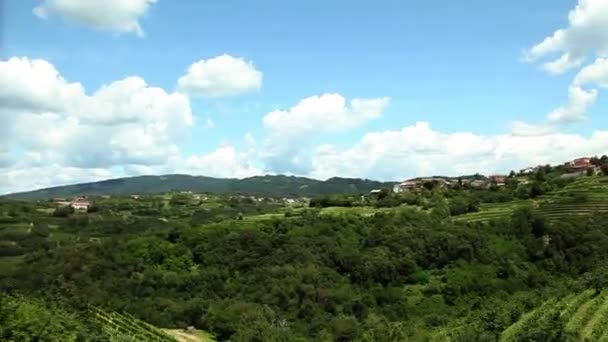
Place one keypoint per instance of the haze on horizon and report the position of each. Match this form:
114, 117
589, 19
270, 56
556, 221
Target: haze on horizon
384, 90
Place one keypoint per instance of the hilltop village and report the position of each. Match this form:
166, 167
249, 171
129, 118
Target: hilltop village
574, 168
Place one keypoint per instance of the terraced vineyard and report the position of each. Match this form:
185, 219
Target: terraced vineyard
584, 317
124, 327
494, 211
583, 197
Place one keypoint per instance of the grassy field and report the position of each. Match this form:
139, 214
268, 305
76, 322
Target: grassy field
583, 197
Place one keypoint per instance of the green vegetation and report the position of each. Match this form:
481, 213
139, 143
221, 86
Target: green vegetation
433, 264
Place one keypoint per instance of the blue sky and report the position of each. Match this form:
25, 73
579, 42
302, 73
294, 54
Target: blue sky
457, 66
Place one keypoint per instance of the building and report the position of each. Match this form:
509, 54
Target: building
579, 164
499, 180
80, 203
397, 188
410, 184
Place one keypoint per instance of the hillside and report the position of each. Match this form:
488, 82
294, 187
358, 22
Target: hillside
259, 185
584, 196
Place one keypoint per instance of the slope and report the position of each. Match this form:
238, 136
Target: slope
279, 185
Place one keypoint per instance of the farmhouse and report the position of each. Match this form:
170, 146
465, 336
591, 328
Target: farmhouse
80, 203
499, 180
579, 164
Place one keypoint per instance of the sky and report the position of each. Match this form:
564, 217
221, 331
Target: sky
383, 89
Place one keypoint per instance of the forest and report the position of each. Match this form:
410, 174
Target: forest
412, 268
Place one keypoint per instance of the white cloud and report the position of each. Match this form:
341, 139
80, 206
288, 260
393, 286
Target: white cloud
124, 122
419, 150
322, 114
115, 15
225, 161
596, 73
290, 130
575, 110
221, 76
587, 33
209, 123
26, 83
520, 128
580, 99
27, 177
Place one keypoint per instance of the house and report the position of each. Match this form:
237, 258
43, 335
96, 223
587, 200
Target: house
523, 180
410, 184
80, 203
134, 196
499, 180
375, 192
579, 164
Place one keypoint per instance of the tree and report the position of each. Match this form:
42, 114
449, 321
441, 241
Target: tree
40, 229
512, 174
590, 172
384, 192
63, 211
605, 169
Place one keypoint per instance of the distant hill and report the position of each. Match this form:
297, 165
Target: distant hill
283, 186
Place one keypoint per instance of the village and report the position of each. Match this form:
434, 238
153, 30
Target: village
574, 168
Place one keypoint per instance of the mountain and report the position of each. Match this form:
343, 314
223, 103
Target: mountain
259, 185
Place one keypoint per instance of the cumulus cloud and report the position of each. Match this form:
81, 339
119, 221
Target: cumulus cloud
418, 150
289, 130
575, 110
114, 15
124, 122
579, 98
26, 177
596, 73
225, 161
224, 75
520, 128
586, 33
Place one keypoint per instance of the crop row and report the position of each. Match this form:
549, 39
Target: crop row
131, 326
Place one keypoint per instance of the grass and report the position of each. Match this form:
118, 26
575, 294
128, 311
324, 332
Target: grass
10, 263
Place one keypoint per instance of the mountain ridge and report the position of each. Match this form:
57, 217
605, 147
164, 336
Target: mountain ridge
267, 185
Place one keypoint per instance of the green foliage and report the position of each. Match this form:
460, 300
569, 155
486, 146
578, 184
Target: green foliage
63, 211
346, 273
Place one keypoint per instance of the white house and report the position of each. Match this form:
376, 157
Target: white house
80, 203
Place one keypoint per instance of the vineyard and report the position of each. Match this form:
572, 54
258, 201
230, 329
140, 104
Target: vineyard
124, 327
582, 316
583, 197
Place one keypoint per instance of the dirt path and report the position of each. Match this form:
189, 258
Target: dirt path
183, 336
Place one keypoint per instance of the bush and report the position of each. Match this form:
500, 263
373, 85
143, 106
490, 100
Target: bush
63, 211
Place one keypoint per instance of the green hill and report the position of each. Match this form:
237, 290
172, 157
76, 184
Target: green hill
259, 185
